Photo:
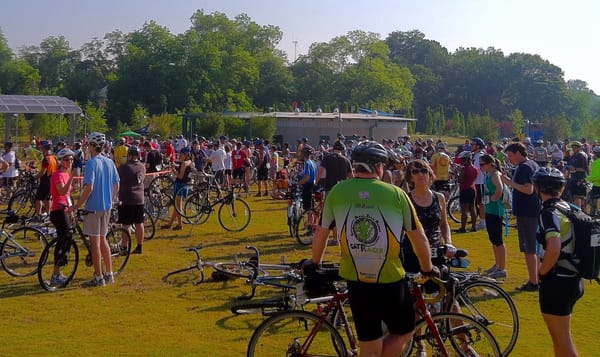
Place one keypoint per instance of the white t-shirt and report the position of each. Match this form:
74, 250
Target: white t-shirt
12, 171
480, 180
217, 158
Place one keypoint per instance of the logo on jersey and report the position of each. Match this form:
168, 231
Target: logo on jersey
365, 229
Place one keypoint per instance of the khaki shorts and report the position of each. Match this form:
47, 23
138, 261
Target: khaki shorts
96, 224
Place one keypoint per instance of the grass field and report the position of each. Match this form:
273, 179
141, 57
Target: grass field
142, 315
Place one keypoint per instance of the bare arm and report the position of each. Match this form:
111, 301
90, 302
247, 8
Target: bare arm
498, 183
63, 188
444, 226
319, 244
526, 188
85, 194
320, 173
551, 254
421, 248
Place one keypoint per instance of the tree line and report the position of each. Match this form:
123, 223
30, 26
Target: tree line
152, 76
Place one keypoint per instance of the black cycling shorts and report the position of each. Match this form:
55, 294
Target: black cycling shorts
239, 173
577, 187
372, 304
131, 214
558, 295
467, 196
493, 225
43, 191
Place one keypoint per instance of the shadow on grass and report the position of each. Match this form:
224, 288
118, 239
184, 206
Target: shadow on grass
12, 289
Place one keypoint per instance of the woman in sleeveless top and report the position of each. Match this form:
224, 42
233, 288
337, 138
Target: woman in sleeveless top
431, 210
183, 177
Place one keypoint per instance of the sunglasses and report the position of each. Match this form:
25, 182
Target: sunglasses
418, 171
68, 159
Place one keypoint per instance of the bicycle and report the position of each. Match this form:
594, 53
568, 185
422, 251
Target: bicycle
21, 247
22, 200
198, 264
69, 262
234, 213
306, 223
302, 333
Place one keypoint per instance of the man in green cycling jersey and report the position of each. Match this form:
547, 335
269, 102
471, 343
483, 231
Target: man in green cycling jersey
371, 217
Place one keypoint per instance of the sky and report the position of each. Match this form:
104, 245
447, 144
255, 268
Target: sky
563, 32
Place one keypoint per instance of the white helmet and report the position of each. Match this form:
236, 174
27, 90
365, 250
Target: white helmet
527, 140
464, 154
97, 138
64, 153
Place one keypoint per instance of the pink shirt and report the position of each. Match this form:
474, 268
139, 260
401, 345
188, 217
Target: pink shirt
59, 201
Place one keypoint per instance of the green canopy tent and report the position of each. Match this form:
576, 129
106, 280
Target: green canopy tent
130, 133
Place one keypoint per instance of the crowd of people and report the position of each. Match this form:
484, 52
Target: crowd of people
389, 196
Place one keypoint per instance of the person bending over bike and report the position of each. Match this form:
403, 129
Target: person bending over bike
371, 216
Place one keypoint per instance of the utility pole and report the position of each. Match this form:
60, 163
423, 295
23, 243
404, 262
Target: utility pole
295, 46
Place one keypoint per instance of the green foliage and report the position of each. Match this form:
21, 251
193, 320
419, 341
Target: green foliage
235, 127
139, 118
95, 120
518, 121
262, 127
483, 126
50, 126
165, 124
556, 128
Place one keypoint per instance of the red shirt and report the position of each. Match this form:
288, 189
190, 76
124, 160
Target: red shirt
238, 157
170, 152
468, 176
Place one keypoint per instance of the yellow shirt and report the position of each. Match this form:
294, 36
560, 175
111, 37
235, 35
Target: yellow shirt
440, 163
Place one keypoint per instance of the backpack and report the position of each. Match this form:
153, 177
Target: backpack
17, 162
586, 232
506, 196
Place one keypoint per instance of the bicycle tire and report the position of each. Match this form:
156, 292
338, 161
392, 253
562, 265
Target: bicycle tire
192, 206
234, 215
149, 225
289, 332
120, 254
47, 263
21, 202
490, 305
20, 255
454, 211
266, 307
191, 267
304, 228
238, 270
456, 331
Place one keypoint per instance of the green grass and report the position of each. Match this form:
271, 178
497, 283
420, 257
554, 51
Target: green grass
142, 315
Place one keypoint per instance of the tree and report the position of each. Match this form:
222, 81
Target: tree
518, 121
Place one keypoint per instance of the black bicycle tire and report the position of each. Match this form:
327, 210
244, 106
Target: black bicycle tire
422, 333
510, 306
47, 257
183, 270
304, 230
330, 335
24, 239
244, 215
193, 198
22, 198
264, 307
114, 244
149, 227
237, 269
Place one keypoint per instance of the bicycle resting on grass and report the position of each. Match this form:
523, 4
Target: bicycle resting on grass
20, 248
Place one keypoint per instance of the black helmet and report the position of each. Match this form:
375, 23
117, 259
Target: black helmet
549, 178
308, 150
338, 145
133, 151
369, 152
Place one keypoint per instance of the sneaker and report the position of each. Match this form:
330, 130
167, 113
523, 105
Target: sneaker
137, 250
480, 226
58, 280
94, 282
492, 269
498, 274
109, 278
529, 286
460, 230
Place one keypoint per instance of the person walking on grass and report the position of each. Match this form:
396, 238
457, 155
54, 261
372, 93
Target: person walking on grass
100, 189
526, 206
131, 194
370, 213
560, 285
494, 213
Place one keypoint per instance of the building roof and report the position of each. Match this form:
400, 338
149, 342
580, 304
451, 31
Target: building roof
339, 116
33, 104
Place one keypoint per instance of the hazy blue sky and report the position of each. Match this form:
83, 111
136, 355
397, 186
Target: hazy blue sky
564, 32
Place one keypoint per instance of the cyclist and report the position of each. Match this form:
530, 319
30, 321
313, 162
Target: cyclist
560, 286
578, 169
181, 180
371, 216
466, 181
440, 164
49, 165
100, 189
61, 184
307, 181
131, 194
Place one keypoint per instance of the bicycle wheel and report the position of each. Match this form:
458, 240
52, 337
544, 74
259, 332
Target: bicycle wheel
67, 269
489, 304
454, 211
304, 227
149, 225
21, 203
234, 215
296, 333
590, 206
120, 244
192, 273
459, 334
21, 251
192, 204
265, 307
238, 270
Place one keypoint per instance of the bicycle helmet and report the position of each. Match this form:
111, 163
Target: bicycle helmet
527, 140
549, 178
97, 138
338, 145
465, 154
596, 149
308, 150
258, 142
186, 150
441, 146
64, 153
393, 157
478, 141
133, 150
370, 153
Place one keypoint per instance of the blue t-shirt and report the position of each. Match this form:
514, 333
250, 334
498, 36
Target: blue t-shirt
310, 169
101, 173
523, 204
